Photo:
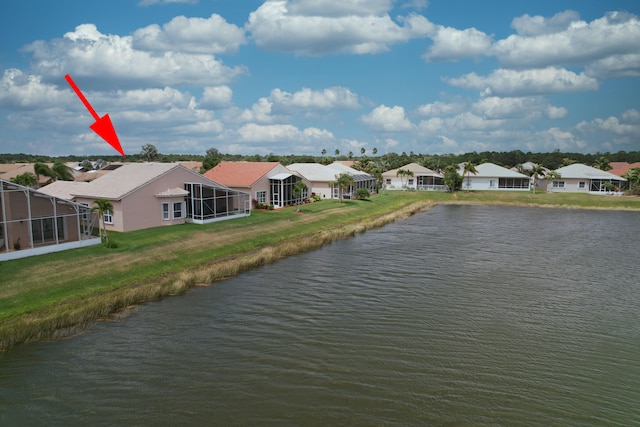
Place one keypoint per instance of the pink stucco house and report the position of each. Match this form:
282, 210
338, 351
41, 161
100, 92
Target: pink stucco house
146, 195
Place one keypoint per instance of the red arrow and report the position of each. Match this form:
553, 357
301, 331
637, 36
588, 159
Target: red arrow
103, 126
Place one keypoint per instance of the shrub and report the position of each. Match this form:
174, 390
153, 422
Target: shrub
362, 193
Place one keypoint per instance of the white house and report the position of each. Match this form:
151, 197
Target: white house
579, 178
490, 176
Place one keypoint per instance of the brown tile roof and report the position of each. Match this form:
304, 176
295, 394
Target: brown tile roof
240, 174
621, 168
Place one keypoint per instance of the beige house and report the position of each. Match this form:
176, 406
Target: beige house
146, 195
269, 183
34, 223
322, 178
417, 178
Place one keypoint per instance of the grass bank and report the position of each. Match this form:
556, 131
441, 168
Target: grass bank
46, 296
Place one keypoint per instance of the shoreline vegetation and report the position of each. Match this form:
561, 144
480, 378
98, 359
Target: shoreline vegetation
57, 295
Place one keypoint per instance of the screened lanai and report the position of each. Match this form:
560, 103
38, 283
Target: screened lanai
33, 223
359, 181
282, 189
207, 203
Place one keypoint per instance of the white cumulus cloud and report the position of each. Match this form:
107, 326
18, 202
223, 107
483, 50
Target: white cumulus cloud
213, 35
579, 44
112, 58
274, 26
387, 119
506, 82
326, 99
450, 44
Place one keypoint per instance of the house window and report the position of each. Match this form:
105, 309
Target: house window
165, 212
410, 181
558, 184
582, 185
388, 181
261, 197
177, 210
108, 217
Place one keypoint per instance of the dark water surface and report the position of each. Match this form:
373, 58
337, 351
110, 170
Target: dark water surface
462, 315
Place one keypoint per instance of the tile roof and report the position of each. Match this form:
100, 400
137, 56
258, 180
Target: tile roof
316, 172
580, 171
491, 170
240, 174
125, 180
63, 189
413, 167
621, 168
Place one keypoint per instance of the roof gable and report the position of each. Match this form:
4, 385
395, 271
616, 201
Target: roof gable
240, 174
416, 168
125, 180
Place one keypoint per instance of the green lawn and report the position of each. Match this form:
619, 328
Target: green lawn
40, 295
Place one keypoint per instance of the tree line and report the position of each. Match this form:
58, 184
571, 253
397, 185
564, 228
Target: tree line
551, 160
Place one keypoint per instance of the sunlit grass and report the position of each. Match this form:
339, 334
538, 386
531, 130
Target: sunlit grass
41, 295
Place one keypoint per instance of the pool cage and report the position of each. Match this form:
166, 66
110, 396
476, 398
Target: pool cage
206, 203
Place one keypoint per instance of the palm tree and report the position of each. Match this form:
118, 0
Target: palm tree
62, 172
633, 177
403, 172
337, 152
536, 171
374, 151
102, 206
469, 168
362, 151
42, 169
550, 176
343, 181
298, 190
602, 164
324, 152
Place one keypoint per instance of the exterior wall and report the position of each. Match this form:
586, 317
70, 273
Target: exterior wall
117, 214
479, 183
321, 188
396, 183
571, 185
486, 183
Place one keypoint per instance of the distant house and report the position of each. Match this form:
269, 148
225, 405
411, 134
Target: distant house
323, 177
579, 178
622, 168
146, 195
34, 223
9, 171
493, 177
268, 183
419, 178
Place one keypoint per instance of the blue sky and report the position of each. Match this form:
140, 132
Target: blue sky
300, 76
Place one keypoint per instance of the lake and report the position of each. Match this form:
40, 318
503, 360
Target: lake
460, 315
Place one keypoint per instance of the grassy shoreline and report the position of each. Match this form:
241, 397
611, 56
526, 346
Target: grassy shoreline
54, 295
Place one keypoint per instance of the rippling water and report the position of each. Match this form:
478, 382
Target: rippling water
459, 315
